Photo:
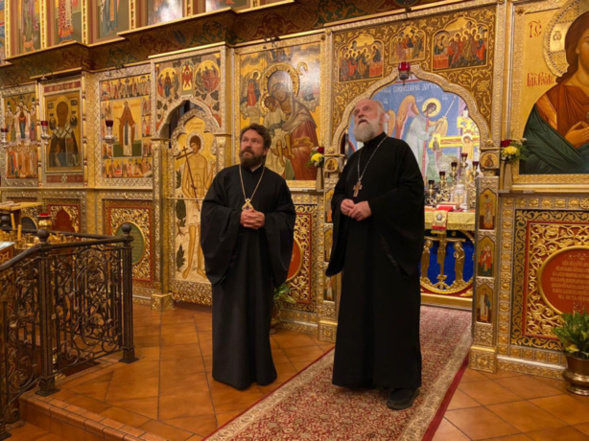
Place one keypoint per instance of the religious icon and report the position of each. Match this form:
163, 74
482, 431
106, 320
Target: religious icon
162, 11
485, 262
436, 124
68, 20
124, 101
30, 32
280, 87
408, 45
64, 145
557, 130
462, 43
113, 17
487, 210
483, 305
361, 59
213, 5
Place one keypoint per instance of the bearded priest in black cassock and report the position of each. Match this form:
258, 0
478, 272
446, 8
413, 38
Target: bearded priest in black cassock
378, 215
247, 225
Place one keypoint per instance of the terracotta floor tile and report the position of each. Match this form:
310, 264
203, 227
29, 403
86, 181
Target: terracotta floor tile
300, 365
448, 432
326, 347
528, 387
195, 438
180, 352
303, 354
137, 380
525, 416
487, 393
148, 353
96, 388
566, 433
208, 361
279, 356
564, 407
584, 427
178, 328
28, 432
289, 339
479, 423
472, 375
166, 431
518, 437
143, 406
125, 416
147, 341
225, 417
461, 401
228, 399
179, 339
188, 404
201, 425
556, 383
500, 374
186, 366
176, 384
89, 403
206, 344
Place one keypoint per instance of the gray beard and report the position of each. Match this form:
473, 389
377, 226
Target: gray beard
251, 161
365, 132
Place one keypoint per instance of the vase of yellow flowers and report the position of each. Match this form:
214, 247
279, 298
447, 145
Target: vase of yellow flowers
512, 150
316, 160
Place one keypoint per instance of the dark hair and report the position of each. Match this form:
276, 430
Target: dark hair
262, 131
196, 140
571, 41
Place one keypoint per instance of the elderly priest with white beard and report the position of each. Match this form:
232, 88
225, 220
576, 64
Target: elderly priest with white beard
378, 215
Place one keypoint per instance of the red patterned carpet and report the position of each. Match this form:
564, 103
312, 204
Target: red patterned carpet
309, 407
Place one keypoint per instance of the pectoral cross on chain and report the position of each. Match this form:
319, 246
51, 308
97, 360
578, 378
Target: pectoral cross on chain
357, 187
248, 205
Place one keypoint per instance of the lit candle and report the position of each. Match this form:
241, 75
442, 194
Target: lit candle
464, 156
44, 124
109, 122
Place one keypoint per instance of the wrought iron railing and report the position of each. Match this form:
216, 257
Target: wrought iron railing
62, 304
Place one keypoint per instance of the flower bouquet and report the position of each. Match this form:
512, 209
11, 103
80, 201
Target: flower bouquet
317, 158
513, 150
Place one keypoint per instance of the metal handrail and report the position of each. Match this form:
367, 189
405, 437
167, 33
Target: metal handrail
62, 305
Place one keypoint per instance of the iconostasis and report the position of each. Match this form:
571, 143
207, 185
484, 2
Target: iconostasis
176, 116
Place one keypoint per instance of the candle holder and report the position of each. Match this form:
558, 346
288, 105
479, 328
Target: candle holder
404, 71
430, 198
463, 167
3, 136
444, 193
45, 136
109, 138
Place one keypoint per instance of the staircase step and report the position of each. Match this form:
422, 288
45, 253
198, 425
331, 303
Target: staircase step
23, 431
72, 423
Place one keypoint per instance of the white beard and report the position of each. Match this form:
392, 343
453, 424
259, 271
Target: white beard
364, 132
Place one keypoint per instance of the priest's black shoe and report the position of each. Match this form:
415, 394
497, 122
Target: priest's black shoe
402, 398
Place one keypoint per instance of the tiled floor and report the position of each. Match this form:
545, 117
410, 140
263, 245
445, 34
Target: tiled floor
170, 392
509, 406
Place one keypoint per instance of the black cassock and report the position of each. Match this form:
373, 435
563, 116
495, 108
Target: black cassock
244, 266
377, 342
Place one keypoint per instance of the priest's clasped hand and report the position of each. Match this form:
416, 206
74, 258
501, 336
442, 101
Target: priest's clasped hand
252, 219
358, 212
